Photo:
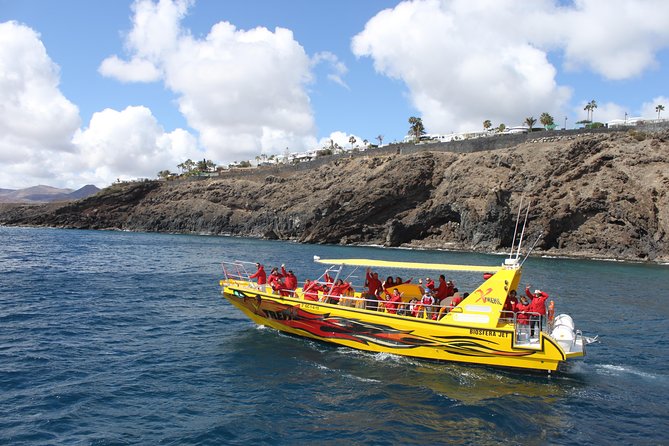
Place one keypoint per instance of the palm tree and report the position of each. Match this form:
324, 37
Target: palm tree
487, 124
659, 109
352, 141
530, 122
590, 108
546, 120
417, 129
380, 138
593, 106
587, 109
164, 174
501, 127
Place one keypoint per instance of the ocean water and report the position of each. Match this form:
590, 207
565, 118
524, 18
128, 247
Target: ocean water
113, 338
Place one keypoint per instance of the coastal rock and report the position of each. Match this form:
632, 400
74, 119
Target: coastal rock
599, 195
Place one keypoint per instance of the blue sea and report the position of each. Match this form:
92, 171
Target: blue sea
115, 338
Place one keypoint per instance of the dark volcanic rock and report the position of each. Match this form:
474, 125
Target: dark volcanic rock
597, 196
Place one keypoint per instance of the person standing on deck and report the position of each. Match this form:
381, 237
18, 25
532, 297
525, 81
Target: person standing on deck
537, 305
442, 289
260, 275
289, 282
374, 288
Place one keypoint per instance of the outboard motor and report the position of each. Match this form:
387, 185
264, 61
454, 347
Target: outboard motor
563, 331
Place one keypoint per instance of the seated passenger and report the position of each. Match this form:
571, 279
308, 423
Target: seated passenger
392, 303
389, 282
275, 280
311, 289
426, 302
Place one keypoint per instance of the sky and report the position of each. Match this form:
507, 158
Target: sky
92, 92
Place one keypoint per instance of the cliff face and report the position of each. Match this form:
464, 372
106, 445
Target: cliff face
596, 196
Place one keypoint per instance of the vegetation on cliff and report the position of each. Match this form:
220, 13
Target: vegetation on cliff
601, 196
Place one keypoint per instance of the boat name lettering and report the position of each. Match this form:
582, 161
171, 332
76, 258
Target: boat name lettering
493, 333
309, 307
483, 297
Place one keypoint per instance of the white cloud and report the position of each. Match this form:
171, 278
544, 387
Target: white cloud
243, 91
604, 112
34, 115
40, 139
137, 70
464, 62
617, 39
648, 110
340, 138
129, 144
338, 67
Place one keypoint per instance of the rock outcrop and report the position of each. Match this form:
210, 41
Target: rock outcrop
601, 196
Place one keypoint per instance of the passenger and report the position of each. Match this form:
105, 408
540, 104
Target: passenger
392, 303
450, 288
337, 291
457, 299
523, 318
347, 291
261, 276
289, 282
374, 288
537, 305
445, 288
429, 283
413, 307
311, 289
427, 301
275, 280
510, 305
398, 280
389, 282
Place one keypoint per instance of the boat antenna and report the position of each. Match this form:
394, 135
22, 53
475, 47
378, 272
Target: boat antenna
515, 231
532, 247
522, 233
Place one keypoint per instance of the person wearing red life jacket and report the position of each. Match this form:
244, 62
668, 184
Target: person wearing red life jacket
275, 280
337, 290
429, 283
374, 288
392, 303
537, 305
310, 290
510, 305
442, 289
523, 318
289, 282
426, 302
260, 275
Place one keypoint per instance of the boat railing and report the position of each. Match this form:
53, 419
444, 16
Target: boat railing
528, 326
236, 270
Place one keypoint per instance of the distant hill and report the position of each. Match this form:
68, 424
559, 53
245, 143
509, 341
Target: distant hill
45, 194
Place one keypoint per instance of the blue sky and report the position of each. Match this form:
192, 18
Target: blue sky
106, 90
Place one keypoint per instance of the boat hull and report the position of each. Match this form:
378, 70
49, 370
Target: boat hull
374, 331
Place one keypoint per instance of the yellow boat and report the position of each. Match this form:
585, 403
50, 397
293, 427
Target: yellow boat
477, 330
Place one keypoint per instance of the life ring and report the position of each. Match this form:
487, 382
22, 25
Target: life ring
487, 276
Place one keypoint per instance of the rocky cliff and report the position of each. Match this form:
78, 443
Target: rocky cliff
602, 196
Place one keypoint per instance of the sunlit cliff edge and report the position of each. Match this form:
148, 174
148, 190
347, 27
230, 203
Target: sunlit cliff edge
593, 195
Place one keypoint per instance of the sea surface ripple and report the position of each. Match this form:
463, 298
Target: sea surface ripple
114, 338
